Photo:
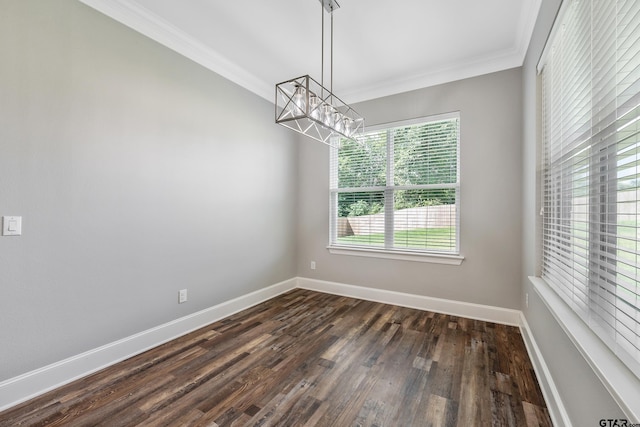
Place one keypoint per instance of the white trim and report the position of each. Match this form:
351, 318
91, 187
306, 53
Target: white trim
552, 34
31, 384
27, 386
454, 185
528, 19
485, 313
389, 250
557, 411
464, 69
399, 255
146, 23
415, 121
617, 378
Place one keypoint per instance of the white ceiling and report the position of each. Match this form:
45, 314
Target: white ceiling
380, 47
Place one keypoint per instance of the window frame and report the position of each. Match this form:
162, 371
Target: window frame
582, 294
398, 253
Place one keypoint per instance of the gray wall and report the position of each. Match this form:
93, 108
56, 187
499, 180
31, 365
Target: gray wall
490, 149
137, 173
584, 397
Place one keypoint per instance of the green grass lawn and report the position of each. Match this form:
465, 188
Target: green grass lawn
441, 239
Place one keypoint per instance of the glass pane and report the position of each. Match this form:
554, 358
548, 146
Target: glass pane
426, 154
364, 163
591, 136
360, 218
425, 219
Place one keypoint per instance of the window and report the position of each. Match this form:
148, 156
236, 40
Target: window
591, 190
398, 189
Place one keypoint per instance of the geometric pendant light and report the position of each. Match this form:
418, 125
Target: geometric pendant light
307, 107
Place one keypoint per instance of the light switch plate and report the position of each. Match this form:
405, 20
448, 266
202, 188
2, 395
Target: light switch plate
182, 296
11, 225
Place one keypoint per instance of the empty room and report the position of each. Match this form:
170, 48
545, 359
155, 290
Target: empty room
320, 213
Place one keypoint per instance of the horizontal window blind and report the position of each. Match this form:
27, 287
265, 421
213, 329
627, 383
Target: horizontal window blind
398, 188
591, 189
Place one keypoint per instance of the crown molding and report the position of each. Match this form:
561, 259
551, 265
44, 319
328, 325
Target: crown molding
467, 68
527, 24
457, 71
150, 25
140, 19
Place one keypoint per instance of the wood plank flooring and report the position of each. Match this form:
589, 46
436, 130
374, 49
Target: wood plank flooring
311, 359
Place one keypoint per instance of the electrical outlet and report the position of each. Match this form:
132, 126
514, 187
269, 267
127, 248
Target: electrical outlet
182, 296
526, 299
313, 265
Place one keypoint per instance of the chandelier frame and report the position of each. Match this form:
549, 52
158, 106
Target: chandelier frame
307, 107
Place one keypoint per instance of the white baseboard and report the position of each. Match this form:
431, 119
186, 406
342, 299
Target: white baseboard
31, 384
619, 379
556, 409
456, 308
27, 386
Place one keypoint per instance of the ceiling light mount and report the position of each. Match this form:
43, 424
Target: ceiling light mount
330, 5
306, 106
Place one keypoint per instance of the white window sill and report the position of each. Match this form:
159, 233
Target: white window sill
616, 377
434, 258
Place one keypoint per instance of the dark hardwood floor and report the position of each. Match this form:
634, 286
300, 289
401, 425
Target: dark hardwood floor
311, 359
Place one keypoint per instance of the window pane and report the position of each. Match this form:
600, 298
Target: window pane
591, 136
361, 218
363, 163
425, 219
397, 188
426, 154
